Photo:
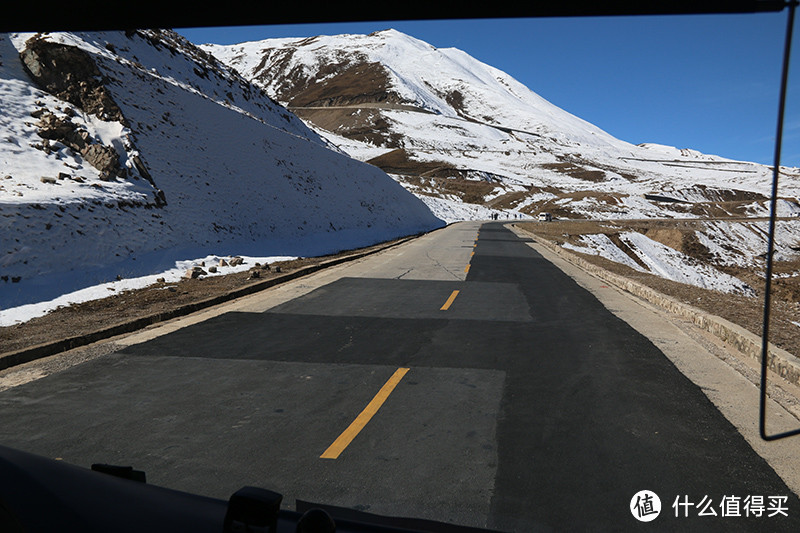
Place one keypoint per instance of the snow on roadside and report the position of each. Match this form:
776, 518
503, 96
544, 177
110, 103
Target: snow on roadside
676, 266
738, 243
601, 244
23, 313
662, 261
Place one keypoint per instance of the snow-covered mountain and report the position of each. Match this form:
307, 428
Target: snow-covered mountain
468, 138
123, 152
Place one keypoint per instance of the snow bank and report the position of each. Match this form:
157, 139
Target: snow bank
745, 243
601, 245
23, 313
676, 266
662, 261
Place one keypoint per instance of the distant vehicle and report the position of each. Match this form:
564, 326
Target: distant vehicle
545, 217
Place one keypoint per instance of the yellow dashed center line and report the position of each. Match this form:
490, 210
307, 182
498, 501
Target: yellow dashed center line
347, 436
449, 301
475, 245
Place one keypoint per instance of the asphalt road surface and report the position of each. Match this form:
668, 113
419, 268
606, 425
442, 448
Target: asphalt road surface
461, 378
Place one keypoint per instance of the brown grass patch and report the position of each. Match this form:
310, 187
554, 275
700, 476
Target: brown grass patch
369, 125
576, 171
341, 84
399, 162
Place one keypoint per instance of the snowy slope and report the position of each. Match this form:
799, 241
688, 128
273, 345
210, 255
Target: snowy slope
419, 74
446, 110
222, 169
718, 244
662, 261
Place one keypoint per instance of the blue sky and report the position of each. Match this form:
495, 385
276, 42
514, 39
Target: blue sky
708, 82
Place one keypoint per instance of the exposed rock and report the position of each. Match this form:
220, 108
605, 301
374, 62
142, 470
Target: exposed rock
103, 158
236, 261
70, 74
137, 162
63, 130
161, 199
53, 128
195, 272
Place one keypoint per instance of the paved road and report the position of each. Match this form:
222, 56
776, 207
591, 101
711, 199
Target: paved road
518, 403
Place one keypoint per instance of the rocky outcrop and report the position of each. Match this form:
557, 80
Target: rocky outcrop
70, 74
62, 129
194, 273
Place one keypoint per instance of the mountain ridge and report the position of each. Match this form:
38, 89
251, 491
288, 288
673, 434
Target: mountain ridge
443, 111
